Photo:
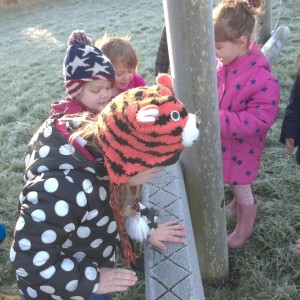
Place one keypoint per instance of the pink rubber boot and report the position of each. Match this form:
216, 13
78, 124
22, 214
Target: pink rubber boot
246, 215
231, 207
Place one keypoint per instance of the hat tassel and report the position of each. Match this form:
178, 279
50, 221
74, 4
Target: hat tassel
128, 254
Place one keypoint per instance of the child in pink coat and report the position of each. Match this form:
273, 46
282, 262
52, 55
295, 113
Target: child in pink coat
125, 61
248, 106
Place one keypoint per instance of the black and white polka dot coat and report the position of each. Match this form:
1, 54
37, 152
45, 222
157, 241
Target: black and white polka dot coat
66, 230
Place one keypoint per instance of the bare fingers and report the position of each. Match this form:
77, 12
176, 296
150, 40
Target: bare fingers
115, 280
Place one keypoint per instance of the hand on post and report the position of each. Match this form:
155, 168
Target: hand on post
167, 232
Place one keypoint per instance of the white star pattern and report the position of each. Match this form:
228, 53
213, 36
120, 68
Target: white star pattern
66, 73
105, 59
98, 68
87, 49
77, 62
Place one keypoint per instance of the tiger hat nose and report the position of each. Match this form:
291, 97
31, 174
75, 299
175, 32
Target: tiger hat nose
191, 131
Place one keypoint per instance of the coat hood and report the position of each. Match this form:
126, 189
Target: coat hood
42, 156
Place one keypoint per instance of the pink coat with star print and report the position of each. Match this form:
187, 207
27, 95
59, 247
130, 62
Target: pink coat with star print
248, 106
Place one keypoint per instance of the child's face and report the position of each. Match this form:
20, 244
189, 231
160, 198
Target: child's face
95, 94
123, 75
143, 177
227, 51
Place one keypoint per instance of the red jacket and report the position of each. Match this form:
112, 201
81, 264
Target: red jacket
69, 106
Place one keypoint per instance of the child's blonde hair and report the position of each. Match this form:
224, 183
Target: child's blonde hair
88, 130
118, 49
235, 18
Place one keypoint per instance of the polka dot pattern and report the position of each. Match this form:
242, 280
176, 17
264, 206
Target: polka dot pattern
44, 151
92, 214
48, 273
29, 174
72, 285
42, 169
83, 232
90, 273
61, 208
48, 236
12, 255
107, 251
20, 223
48, 132
67, 244
66, 149
32, 197
96, 243
40, 258
65, 167
32, 293
51, 185
25, 244
66, 220
38, 215
87, 186
103, 221
67, 265
81, 199
102, 193
69, 227
47, 289
21, 272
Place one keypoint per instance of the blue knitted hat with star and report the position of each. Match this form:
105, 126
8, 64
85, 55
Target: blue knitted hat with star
83, 63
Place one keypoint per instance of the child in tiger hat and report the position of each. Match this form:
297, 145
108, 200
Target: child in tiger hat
79, 173
88, 77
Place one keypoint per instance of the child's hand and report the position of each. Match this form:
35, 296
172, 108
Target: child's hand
167, 232
298, 246
289, 146
115, 280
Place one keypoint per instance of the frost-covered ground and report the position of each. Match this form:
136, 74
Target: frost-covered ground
33, 37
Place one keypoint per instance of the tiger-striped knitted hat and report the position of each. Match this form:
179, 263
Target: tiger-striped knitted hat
138, 130
83, 63
143, 128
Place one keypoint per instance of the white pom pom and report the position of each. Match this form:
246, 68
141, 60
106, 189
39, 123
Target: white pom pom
137, 228
191, 131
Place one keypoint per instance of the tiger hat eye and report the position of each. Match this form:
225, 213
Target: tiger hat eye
175, 115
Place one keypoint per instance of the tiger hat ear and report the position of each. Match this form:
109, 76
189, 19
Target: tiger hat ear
147, 114
165, 79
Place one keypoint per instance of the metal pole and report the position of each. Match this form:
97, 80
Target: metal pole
192, 62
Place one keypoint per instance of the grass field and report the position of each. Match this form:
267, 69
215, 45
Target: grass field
33, 37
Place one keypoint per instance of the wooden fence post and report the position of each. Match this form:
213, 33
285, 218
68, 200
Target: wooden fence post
192, 62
